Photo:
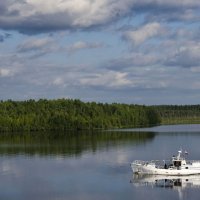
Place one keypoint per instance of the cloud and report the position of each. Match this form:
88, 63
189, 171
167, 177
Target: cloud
32, 16
6, 72
185, 56
44, 79
175, 46
35, 44
146, 32
159, 10
133, 60
38, 47
81, 45
36, 16
4, 36
158, 49
110, 79
58, 81
196, 85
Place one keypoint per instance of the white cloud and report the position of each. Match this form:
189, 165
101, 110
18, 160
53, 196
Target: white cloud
58, 81
108, 79
196, 85
187, 3
35, 44
134, 60
187, 55
156, 44
83, 45
144, 33
61, 14
33, 16
195, 69
41, 46
6, 73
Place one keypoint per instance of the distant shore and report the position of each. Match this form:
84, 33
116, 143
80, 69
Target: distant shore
73, 114
69, 114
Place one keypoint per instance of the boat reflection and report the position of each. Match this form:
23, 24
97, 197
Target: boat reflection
175, 182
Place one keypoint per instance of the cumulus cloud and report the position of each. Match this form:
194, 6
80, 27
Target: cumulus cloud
159, 10
185, 56
176, 46
81, 45
158, 50
35, 44
38, 47
169, 3
140, 35
196, 85
109, 79
35, 16
4, 36
133, 60
5, 72
58, 81
40, 16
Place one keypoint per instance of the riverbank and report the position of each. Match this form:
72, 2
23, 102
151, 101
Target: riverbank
189, 120
68, 114
179, 114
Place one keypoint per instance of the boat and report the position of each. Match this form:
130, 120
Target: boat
176, 166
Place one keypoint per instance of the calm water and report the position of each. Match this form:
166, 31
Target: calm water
94, 165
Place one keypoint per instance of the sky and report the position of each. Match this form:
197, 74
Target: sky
130, 51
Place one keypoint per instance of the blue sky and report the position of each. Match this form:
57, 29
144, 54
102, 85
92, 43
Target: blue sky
130, 51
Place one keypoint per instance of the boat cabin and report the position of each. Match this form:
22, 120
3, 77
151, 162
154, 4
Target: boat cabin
177, 163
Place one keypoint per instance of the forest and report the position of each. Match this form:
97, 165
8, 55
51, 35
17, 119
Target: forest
178, 114
69, 114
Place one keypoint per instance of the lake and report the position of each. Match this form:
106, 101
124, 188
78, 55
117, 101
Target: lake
84, 165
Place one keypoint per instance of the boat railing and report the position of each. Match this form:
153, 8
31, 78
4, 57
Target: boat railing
139, 162
192, 161
158, 163
161, 164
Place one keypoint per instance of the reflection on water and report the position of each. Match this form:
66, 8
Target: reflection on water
177, 183
182, 128
66, 143
80, 165
167, 181
92, 165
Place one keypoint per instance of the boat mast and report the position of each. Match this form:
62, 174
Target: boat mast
179, 154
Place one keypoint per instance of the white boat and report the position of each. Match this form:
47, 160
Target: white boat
177, 166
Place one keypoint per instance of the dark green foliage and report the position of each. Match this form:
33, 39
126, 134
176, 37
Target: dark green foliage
66, 143
63, 114
174, 114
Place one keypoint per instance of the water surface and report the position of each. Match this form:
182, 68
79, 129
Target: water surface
96, 165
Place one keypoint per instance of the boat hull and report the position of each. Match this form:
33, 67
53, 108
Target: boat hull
152, 170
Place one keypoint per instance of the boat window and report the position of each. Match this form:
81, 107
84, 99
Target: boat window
177, 163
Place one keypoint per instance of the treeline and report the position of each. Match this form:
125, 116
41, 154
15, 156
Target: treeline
66, 114
178, 114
